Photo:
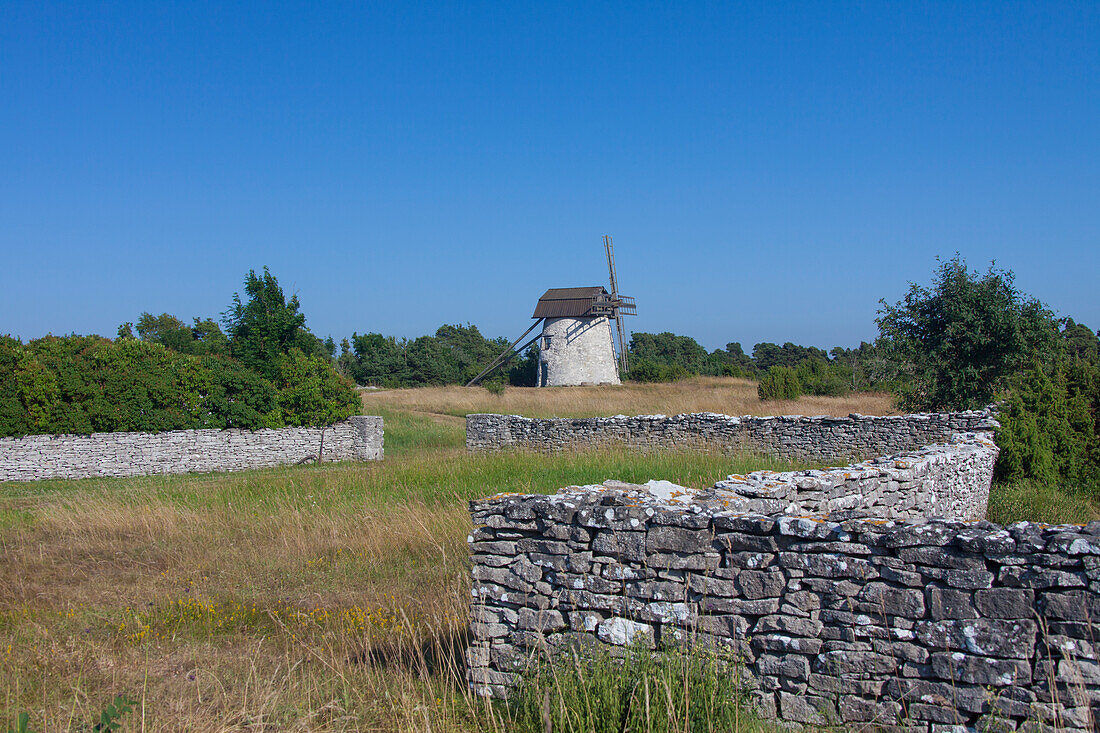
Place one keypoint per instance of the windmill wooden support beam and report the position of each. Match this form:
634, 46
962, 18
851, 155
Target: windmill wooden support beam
505, 355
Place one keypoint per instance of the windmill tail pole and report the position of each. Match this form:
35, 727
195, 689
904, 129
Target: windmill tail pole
505, 355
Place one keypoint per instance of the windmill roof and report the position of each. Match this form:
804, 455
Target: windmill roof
568, 302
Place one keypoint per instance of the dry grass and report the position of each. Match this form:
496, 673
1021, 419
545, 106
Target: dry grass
700, 394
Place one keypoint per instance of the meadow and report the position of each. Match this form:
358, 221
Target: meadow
330, 597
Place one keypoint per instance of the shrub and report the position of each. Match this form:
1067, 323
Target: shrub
310, 392
819, 377
648, 370
84, 384
1048, 426
780, 383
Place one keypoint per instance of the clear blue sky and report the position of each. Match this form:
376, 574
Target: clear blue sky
769, 171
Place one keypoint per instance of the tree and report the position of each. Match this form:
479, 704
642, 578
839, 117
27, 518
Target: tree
1048, 425
83, 384
267, 326
203, 337
958, 342
681, 354
310, 392
524, 371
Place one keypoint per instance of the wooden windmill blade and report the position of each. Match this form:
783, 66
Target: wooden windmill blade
620, 305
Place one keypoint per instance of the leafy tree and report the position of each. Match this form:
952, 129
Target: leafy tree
681, 354
958, 342
821, 377
1080, 342
267, 326
524, 371
730, 362
766, 355
379, 360
203, 337
648, 370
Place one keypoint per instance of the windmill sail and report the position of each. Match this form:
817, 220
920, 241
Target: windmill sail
620, 305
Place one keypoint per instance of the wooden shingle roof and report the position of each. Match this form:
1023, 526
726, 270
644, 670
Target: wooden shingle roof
569, 302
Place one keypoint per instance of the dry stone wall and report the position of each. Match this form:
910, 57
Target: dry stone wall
925, 625
184, 451
949, 481
791, 437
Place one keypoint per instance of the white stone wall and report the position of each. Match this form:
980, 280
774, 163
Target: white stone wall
576, 351
37, 457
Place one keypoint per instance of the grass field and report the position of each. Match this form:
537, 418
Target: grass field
328, 597
303, 598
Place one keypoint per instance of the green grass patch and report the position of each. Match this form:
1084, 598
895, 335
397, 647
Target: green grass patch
598, 691
407, 432
1015, 501
433, 477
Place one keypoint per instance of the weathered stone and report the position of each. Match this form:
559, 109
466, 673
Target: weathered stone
753, 585
677, 539
545, 620
829, 565
851, 663
1031, 577
892, 601
621, 632
787, 625
965, 579
36, 457
737, 542
805, 709
1071, 606
792, 666
1012, 638
980, 670
621, 545
955, 604
1005, 603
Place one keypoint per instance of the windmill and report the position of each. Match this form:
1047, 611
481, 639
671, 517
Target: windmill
576, 345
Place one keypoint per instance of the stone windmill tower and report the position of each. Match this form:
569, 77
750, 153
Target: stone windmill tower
577, 346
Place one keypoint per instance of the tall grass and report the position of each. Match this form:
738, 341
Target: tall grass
678, 690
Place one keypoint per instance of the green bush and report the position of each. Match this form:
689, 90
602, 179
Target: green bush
780, 383
648, 370
1048, 426
310, 392
819, 377
85, 384
955, 344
